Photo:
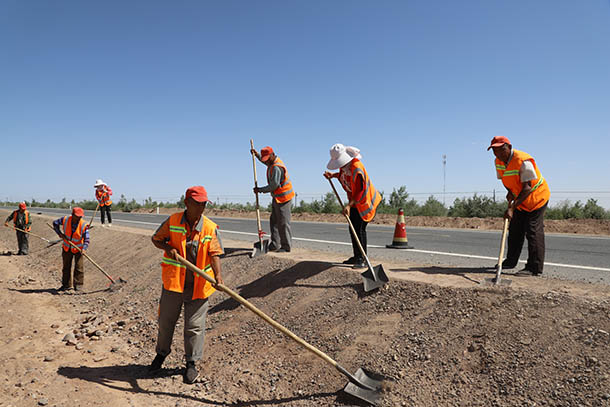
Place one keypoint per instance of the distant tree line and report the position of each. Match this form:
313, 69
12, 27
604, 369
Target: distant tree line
476, 206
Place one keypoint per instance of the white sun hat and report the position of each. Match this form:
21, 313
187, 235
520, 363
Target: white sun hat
99, 183
341, 155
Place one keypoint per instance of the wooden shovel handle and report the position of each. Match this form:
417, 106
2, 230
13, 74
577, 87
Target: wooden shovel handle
87, 257
29, 233
351, 226
501, 256
258, 213
260, 313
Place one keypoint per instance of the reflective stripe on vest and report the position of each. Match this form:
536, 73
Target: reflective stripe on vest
284, 192
77, 238
367, 205
103, 197
509, 174
173, 272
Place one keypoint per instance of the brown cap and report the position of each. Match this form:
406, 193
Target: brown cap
265, 153
198, 193
76, 211
498, 141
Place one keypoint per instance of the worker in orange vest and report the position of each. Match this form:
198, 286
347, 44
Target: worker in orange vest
21, 219
363, 198
280, 187
194, 237
73, 229
528, 196
102, 194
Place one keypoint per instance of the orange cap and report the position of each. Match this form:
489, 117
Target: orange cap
22, 205
76, 211
198, 193
265, 153
498, 141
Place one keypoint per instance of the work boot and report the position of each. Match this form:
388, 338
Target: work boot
78, 287
360, 264
191, 374
283, 250
351, 260
156, 363
272, 247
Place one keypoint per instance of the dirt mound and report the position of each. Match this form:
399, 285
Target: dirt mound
439, 346
577, 226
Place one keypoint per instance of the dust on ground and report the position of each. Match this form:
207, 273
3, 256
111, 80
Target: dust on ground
449, 342
576, 226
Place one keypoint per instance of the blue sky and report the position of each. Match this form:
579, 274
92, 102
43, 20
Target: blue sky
153, 96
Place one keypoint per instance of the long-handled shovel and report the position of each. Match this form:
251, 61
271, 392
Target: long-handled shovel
38, 236
360, 384
262, 246
93, 216
113, 283
373, 277
497, 280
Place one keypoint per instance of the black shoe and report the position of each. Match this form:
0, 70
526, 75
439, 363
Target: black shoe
351, 260
527, 272
191, 373
360, 264
156, 363
272, 247
283, 250
64, 288
506, 265
78, 288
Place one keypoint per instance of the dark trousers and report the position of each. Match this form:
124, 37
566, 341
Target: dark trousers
279, 221
360, 228
105, 210
79, 272
528, 225
22, 242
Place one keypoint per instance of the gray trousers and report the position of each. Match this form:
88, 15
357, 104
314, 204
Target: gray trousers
22, 242
195, 312
281, 237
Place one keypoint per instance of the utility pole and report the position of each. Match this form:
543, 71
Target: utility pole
444, 175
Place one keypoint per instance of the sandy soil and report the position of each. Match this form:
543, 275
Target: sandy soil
440, 340
577, 226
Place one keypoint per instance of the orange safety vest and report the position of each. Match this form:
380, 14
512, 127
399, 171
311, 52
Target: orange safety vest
27, 220
173, 272
103, 197
284, 192
78, 238
510, 178
367, 205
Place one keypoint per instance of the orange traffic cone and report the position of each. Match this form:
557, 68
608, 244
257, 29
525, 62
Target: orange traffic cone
400, 233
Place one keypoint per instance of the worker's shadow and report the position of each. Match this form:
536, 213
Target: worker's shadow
456, 271
276, 279
125, 378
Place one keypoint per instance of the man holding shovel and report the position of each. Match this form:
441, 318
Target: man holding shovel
280, 187
194, 237
362, 195
528, 196
102, 194
21, 220
73, 229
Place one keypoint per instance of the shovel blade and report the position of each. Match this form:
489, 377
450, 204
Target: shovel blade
366, 394
258, 250
374, 278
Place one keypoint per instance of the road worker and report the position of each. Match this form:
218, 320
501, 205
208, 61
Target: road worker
73, 229
194, 237
280, 187
102, 194
528, 196
21, 219
363, 198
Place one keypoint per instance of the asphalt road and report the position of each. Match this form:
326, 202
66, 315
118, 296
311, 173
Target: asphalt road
573, 257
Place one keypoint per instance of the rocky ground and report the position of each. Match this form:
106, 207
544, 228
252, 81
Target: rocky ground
540, 342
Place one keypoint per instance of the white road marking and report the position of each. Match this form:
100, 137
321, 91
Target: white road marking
472, 256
